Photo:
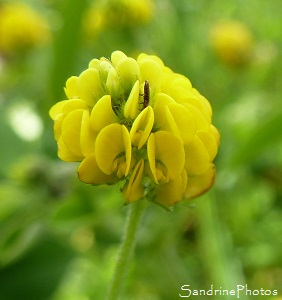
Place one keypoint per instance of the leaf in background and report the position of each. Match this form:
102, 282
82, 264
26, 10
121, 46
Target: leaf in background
264, 135
36, 275
66, 48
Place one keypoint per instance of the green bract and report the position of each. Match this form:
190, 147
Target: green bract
163, 151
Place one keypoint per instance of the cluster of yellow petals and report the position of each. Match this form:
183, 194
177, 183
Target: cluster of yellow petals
164, 150
21, 28
117, 14
232, 41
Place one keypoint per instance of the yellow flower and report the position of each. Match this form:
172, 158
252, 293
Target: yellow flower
117, 14
93, 22
137, 121
21, 28
232, 41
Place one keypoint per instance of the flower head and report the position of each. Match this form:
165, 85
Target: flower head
115, 14
137, 121
232, 42
21, 28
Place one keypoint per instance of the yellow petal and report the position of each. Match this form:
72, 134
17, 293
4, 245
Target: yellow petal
65, 154
144, 56
104, 67
128, 71
73, 104
102, 114
210, 143
197, 185
61, 109
89, 86
151, 150
94, 63
165, 120
151, 71
166, 149
184, 121
71, 87
58, 126
133, 190
56, 110
66, 106
87, 135
160, 102
202, 122
113, 83
70, 131
197, 158
89, 172
131, 107
215, 133
172, 192
117, 56
113, 143
141, 127
182, 81
183, 96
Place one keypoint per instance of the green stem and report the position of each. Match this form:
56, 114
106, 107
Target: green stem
126, 249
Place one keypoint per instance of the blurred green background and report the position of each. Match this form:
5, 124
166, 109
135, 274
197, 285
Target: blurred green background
58, 237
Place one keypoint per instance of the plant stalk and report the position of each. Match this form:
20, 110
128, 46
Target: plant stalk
134, 216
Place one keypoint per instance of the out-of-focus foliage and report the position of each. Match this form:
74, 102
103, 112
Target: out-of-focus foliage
59, 237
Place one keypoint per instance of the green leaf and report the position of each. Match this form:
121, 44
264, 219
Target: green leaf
37, 274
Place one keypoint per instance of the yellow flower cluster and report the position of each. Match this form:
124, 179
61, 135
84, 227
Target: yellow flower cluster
138, 121
117, 14
232, 42
129, 12
21, 28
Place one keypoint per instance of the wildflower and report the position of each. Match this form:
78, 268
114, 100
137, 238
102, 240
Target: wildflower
93, 22
232, 42
129, 12
163, 149
21, 28
117, 14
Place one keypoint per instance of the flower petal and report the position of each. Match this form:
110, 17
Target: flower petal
65, 154
87, 135
128, 71
183, 82
113, 84
117, 56
112, 143
58, 126
202, 122
172, 192
215, 133
89, 172
131, 107
56, 109
197, 157
197, 185
185, 122
141, 127
71, 128
151, 150
151, 71
102, 114
167, 149
210, 143
89, 86
133, 190
73, 104
183, 96
160, 102
71, 87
